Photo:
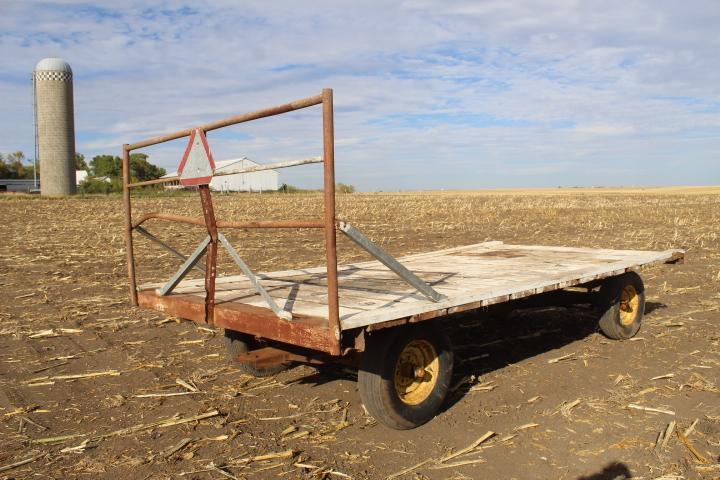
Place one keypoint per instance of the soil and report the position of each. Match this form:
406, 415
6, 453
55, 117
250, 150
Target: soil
556, 393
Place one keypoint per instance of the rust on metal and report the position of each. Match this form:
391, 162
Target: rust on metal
273, 224
230, 224
677, 258
155, 181
246, 117
330, 223
270, 356
129, 256
211, 253
307, 331
354, 341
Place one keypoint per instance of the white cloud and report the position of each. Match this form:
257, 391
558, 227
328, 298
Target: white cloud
605, 129
427, 93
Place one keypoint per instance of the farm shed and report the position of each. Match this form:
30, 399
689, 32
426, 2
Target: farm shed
28, 184
17, 184
239, 182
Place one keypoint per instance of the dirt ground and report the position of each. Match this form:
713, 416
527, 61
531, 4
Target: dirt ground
80, 370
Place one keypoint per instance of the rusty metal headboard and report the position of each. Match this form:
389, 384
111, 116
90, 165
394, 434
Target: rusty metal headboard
210, 245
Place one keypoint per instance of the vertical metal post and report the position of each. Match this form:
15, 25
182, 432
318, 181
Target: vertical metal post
211, 255
329, 217
129, 257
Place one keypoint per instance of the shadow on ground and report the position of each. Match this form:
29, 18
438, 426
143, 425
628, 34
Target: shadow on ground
611, 471
485, 341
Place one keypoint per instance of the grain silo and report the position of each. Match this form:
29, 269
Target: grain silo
55, 126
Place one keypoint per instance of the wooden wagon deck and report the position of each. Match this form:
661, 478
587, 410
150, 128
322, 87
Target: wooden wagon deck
469, 277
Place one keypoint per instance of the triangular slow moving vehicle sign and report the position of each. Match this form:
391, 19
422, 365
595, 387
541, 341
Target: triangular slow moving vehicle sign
197, 165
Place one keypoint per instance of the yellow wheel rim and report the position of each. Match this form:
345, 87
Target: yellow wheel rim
629, 305
416, 372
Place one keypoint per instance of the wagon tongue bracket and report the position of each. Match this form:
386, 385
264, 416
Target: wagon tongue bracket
391, 262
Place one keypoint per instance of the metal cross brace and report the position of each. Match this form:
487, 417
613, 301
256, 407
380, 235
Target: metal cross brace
284, 314
189, 263
193, 259
389, 261
199, 266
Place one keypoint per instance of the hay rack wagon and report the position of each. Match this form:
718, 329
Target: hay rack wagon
380, 315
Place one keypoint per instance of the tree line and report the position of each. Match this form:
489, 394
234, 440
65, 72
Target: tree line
12, 165
104, 171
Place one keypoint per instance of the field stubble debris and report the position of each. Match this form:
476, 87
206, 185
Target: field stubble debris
68, 329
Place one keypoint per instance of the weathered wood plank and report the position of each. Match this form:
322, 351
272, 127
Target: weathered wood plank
488, 297
470, 276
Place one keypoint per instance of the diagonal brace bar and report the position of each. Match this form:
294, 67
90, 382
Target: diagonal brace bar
189, 263
199, 266
389, 261
285, 315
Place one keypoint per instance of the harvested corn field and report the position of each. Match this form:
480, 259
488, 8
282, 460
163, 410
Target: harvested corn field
90, 387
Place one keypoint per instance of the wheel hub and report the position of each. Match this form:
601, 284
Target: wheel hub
416, 372
629, 305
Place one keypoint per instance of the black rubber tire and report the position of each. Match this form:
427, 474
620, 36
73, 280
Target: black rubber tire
377, 370
609, 303
237, 343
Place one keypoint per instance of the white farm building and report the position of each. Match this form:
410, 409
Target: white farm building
237, 182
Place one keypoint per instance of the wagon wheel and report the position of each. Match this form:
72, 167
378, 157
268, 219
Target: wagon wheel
405, 374
622, 301
237, 343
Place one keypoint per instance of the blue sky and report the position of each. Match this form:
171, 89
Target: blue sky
428, 94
